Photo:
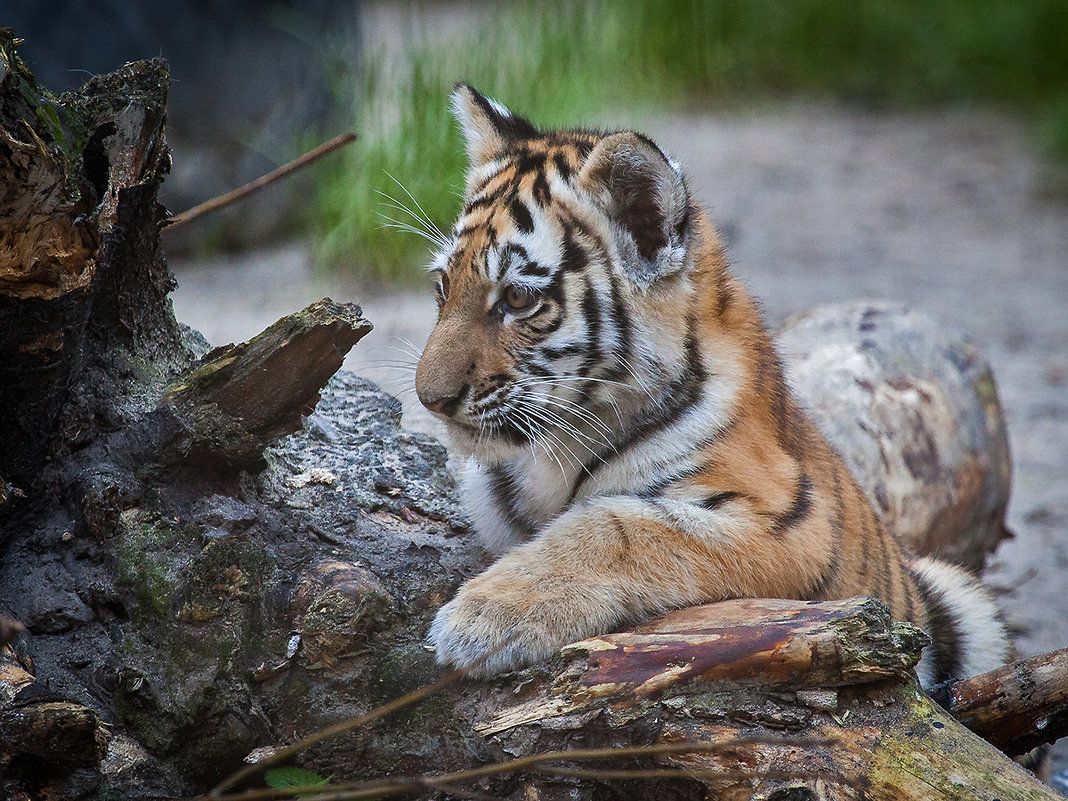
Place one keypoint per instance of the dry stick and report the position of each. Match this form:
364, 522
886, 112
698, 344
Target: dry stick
403, 784
350, 724
685, 773
251, 187
333, 731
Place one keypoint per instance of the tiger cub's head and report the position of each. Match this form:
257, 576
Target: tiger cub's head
561, 291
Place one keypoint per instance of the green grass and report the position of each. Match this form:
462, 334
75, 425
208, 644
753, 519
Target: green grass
568, 63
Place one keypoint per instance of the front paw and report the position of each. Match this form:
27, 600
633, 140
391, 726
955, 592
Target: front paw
487, 630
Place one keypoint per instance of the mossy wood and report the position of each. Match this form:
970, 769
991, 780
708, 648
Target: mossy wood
194, 584
810, 700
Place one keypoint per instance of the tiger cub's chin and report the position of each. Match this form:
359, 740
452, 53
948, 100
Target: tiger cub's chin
630, 443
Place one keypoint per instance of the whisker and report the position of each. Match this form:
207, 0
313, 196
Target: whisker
582, 413
431, 232
416, 202
571, 429
577, 409
408, 228
569, 455
539, 414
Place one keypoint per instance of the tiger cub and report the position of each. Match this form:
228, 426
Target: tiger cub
630, 443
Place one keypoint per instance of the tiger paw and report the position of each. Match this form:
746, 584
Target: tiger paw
484, 632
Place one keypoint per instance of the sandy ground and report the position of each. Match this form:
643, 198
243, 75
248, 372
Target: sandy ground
950, 212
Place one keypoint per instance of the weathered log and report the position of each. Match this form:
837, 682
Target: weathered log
914, 412
760, 677
1017, 707
41, 735
78, 220
239, 398
781, 644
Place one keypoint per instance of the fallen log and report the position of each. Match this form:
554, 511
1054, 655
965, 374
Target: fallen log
914, 412
759, 677
1017, 707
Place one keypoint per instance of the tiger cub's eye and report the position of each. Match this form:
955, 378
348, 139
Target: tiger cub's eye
519, 298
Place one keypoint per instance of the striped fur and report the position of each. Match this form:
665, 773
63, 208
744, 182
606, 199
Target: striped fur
630, 442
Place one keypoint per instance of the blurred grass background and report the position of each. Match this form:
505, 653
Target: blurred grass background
572, 63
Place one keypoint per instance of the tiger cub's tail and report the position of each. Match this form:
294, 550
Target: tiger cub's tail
963, 621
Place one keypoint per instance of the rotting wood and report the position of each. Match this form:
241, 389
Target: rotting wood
776, 643
835, 674
53, 734
1016, 707
239, 398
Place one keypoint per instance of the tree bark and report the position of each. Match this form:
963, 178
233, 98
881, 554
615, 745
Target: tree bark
810, 700
1017, 707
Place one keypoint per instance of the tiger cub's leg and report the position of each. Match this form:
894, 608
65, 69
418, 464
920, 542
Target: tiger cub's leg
609, 560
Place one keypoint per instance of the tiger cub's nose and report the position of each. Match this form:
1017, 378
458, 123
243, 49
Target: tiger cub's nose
446, 405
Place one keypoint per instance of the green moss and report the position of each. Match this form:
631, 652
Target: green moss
143, 568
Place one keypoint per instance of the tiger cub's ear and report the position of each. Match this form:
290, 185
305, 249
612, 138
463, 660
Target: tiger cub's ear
488, 127
645, 195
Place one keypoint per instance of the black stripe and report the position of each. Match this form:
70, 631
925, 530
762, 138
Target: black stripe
527, 162
562, 166
718, 499
521, 214
485, 199
596, 243
820, 587
944, 628
662, 483
544, 330
591, 313
532, 268
509, 126
495, 382
540, 190
505, 492
621, 321
572, 349
680, 396
535, 369
799, 509
572, 258
511, 256
481, 185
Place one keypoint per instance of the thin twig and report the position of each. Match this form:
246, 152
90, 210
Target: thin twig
283, 754
251, 187
406, 784
684, 773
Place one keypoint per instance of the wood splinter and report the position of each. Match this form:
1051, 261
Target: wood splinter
239, 398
